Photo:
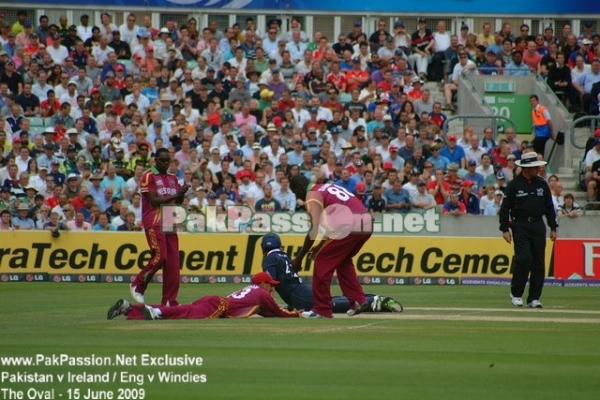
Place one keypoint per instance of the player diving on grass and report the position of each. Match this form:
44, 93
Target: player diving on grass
298, 295
254, 299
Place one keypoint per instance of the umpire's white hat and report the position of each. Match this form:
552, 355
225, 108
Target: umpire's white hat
529, 160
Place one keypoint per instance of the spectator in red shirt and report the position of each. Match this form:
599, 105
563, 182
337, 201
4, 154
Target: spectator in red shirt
453, 179
50, 106
438, 188
532, 58
337, 77
436, 116
500, 153
415, 92
59, 130
52, 201
387, 82
78, 202
319, 53
332, 101
119, 76
213, 117
286, 102
357, 76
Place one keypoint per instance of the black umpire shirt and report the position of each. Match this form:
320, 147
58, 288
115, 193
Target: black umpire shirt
527, 199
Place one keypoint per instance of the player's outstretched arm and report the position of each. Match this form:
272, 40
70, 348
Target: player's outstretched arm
269, 308
309, 240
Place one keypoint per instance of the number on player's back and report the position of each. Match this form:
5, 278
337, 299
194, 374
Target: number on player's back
240, 294
337, 191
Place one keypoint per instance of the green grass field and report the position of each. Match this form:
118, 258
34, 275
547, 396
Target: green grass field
460, 342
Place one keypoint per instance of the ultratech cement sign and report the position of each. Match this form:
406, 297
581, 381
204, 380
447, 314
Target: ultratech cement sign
233, 254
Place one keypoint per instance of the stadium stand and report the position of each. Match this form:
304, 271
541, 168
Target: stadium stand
247, 107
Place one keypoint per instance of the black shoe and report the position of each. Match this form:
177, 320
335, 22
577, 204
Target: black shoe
391, 305
120, 308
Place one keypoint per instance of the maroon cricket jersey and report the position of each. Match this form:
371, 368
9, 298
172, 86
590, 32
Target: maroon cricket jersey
254, 300
344, 212
164, 185
329, 194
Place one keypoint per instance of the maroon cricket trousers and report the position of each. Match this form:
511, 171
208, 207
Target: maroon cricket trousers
336, 256
164, 251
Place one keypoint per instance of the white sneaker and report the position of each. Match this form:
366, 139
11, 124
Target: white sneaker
150, 313
516, 301
535, 304
352, 312
311, 314
358, 308
136, 295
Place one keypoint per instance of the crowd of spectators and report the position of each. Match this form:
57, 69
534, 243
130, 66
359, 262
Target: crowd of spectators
83, 109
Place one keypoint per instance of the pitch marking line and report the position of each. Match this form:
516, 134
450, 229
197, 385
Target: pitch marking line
515, 309
482, 318
467, 314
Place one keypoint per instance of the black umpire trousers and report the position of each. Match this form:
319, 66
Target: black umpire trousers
529, 263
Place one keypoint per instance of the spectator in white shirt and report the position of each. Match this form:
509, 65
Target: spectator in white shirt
214, 164
22, 160
296, 47
474, 151
41, 88
442, 40
285, 196
492, 208
463, 67
102, 51
485, 169
57, 52
129, 31
138, 98
270, 42
301, 115
84, 31
71, 95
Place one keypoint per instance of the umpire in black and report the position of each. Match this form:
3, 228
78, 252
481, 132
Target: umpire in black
527, 200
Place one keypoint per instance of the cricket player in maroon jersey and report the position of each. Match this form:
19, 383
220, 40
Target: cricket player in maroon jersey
253, 299
350, 226
159, 188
